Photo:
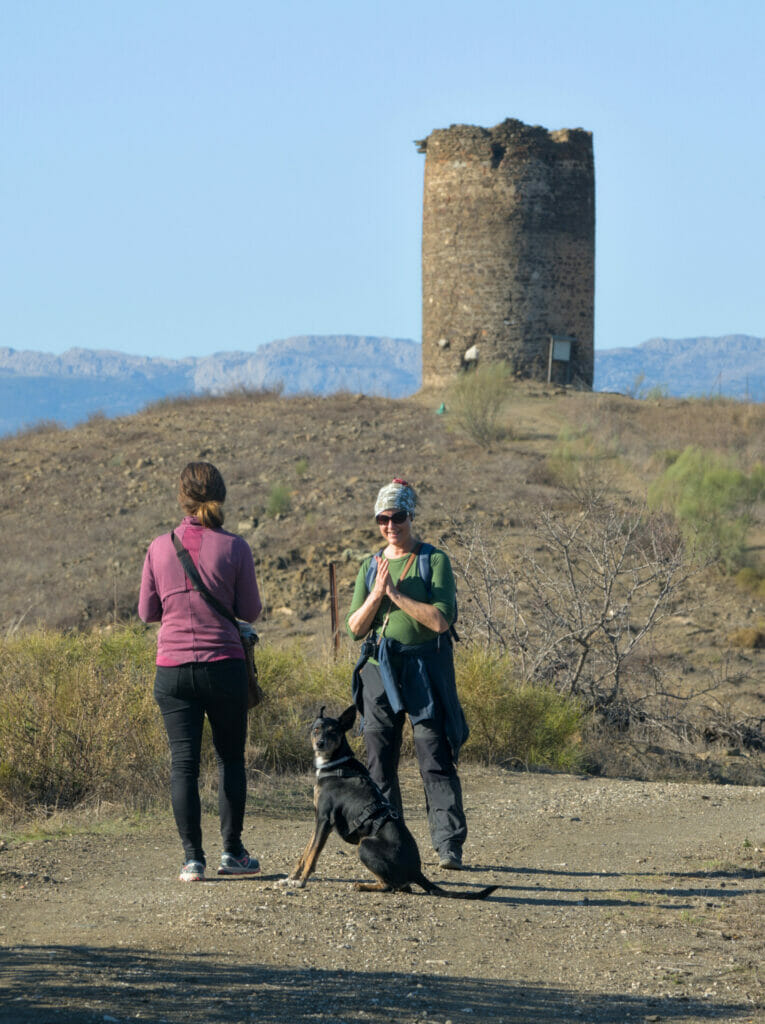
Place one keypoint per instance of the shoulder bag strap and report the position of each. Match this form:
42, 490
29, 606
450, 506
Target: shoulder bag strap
193, 574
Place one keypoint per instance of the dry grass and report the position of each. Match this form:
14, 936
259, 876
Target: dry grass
79, 726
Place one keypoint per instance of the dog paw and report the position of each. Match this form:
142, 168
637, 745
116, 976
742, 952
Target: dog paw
296, 883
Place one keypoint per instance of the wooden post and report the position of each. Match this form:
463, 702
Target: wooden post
333, 609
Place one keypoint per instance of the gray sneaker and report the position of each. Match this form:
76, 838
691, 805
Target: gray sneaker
450, 858
192, 871
244, 865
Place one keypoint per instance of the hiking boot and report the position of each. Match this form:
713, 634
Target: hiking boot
450, 858
244, 865
192, 871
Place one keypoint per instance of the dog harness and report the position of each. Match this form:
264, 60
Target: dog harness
374, 814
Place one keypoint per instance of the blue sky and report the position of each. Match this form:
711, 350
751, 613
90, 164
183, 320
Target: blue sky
180, 178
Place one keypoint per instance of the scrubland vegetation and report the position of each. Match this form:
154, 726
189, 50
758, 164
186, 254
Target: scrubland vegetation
78, 723
609, 556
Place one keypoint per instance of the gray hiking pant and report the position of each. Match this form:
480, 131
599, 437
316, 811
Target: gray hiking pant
383, 732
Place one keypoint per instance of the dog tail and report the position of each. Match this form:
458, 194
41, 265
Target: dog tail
435, 890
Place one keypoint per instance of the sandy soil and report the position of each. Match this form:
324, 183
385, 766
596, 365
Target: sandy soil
617, 901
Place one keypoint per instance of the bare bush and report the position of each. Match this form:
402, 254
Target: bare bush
577, 602
578, 609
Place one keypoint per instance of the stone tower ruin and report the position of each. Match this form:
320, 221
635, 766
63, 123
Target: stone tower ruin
508, 251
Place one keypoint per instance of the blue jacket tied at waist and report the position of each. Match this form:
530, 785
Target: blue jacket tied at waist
417, 678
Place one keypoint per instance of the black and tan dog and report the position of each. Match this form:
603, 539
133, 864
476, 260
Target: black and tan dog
347, 800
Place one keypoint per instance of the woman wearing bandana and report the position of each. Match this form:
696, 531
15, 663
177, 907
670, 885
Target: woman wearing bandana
404, 603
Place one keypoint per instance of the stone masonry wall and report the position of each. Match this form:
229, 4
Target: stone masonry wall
508, 248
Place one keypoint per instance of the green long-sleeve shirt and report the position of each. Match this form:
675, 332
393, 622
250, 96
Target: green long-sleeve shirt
403, 627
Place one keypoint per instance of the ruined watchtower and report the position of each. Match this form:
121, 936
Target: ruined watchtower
508, 250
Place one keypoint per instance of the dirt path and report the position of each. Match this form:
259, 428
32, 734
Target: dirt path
617, 901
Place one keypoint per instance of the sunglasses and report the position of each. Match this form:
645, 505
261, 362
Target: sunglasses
398, 518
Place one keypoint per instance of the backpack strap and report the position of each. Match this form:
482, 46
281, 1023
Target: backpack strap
424, 571
369, 579
424, 568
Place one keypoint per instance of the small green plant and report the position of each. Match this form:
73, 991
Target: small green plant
712, 499
477, 400
301, 468
570, 455
279, 501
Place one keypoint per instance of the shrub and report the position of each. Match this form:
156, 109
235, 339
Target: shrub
712, 500
79, 725
579, 455
296, 687
751, 580
77, 720
477, 400
279, 500
512, 722
640, 390
44, 426
748, 637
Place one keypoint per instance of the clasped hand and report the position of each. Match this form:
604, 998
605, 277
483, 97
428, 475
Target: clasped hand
383, 586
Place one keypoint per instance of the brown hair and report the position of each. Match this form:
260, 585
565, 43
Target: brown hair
201, 492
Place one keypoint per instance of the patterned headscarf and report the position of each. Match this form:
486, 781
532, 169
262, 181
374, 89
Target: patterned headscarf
397, 494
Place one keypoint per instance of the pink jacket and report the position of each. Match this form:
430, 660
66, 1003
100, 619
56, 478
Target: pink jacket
191, 630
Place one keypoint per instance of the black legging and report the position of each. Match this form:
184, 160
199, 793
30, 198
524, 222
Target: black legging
185, 694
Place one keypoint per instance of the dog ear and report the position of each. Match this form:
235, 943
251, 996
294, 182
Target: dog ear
321, 711
347, 718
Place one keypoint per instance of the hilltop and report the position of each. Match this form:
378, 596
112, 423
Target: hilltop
67, 388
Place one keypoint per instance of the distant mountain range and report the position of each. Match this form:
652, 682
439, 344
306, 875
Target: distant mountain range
690, 367
37, 386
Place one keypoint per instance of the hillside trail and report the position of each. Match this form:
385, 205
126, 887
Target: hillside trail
616, 901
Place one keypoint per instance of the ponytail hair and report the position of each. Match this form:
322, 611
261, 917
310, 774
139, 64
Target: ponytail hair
201, 493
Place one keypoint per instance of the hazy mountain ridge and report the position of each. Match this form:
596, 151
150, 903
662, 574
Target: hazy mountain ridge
733, 365
37, 386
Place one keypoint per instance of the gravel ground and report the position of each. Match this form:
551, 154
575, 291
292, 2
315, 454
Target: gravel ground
617, 901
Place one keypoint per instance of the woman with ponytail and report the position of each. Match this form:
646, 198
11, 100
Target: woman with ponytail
200, 663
